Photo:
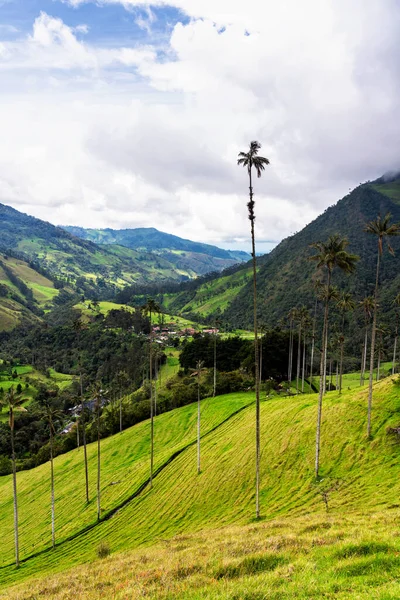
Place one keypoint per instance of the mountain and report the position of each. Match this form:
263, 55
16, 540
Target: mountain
184, 253
286, 276
45, 258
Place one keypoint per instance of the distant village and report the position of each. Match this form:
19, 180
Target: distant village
162, 333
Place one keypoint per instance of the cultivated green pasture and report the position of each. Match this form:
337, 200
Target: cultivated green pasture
125, 466
359, 476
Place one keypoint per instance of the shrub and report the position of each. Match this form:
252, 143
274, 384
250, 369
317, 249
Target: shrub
103, 550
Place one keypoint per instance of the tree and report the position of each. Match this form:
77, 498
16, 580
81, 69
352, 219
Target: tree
313, 343
98, 402
249, 160
217, 324
292, 317
345, 303
78, 327
199, 367
382, 229
396, 302
150, 308
52, 414
10, 402
367, 306
329, 255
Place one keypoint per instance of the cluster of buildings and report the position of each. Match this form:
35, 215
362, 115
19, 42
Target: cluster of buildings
164, 332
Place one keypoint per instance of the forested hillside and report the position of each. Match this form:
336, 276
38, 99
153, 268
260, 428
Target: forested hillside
287, 277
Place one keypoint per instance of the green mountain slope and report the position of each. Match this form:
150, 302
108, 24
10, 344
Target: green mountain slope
286, 277
188, 257
49, 258
24, 292
363, 475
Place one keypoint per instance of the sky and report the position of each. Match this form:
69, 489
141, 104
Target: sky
124, 113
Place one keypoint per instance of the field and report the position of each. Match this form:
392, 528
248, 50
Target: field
210, 296
296, 551
104, 308
29, 378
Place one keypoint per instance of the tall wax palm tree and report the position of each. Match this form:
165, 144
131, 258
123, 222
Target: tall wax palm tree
396, 302
122, 378
52, 414
292, 315
330, 254
78, 327
381, 330
98, 392
344, 304
313, 343
199, 366
367, 306
151, 307
10, 402
383, 230
249, 160
217, 324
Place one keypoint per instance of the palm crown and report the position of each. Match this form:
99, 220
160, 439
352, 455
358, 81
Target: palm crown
251, 159
383, 229
333, 253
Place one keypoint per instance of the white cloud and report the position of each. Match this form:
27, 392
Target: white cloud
111, 136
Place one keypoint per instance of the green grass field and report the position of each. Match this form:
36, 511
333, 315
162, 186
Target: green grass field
32, 377
353, 548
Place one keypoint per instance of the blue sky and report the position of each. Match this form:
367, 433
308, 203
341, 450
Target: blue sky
107, 23
114, 116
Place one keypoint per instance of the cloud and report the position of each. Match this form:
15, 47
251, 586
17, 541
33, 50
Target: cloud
135, 135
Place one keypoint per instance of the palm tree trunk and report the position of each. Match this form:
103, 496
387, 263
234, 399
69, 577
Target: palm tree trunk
84, 442
16, 537
215, 365
53, 525
321, 381
372, 356
395, 347
330, 374
364, 364
304, 362
256, 368
298, 360
326, 360
98, 460
151, 406
198, 423
155, 385
313, 345
290, 351
337, 374
341, 367
120, 412
379, 366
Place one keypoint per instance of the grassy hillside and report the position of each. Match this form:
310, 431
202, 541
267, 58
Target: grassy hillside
24, 292
360, 478
210, 298
101, 268
104, 307
29, 379
125, 465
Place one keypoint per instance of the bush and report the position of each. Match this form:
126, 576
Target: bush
5, 465
103, 550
